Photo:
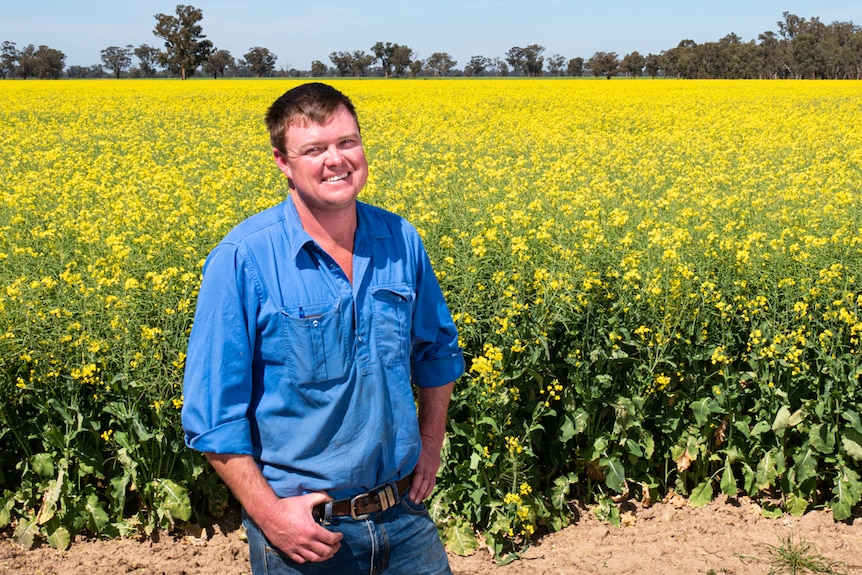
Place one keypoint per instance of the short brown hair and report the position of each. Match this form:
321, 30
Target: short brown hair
313, 102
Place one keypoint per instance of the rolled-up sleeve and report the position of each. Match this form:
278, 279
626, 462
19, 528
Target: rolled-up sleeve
217, 387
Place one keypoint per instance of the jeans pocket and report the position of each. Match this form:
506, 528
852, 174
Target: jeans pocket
414, 508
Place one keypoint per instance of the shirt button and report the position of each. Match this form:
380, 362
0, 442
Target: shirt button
360, 338
315, 323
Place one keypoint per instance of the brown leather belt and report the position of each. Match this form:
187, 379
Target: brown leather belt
361, 506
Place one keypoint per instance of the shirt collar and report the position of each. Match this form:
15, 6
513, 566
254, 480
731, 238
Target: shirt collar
297, 237
367, 230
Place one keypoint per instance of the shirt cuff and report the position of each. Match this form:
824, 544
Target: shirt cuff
437, 372
233, 437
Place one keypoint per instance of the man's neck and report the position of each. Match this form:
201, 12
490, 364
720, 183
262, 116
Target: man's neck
333, 231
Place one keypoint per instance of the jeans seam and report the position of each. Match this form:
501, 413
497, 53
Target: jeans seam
371, 569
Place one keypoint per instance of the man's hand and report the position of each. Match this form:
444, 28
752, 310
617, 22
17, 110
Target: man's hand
425, 473
286, 522
289, 525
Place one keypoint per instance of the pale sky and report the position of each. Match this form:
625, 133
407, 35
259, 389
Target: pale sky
300, 32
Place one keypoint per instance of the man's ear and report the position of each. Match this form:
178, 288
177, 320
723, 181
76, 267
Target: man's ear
281, 162
280, 159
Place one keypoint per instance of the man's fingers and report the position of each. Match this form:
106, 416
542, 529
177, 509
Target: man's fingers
315, 552
421, 487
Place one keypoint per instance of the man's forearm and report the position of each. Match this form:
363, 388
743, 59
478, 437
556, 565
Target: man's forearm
433, 413
243, 477
433, 410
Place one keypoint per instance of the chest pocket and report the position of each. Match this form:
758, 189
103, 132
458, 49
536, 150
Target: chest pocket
393, 313
316, 347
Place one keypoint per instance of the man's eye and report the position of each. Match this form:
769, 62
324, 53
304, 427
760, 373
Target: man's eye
312, 151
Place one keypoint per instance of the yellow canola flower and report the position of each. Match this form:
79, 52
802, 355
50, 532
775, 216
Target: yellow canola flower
690, 207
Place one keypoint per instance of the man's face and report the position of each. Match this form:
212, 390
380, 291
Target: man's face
326, 163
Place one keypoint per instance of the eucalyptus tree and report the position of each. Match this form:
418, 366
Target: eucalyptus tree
116, 59
186, 46
260, 61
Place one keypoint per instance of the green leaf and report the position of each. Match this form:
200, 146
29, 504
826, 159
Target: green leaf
117, 492
702, 408
89, 460
821, 439
615, 475
851, 440
633, 448
728, 481
573, 424
174, 499
852, 418
50, 498
59, 538
606, 510
500, 526
760, 427
490, 422
559, 493
771, 511
25, 533
781, 422
43, 464
795, 504
477, 495
648, 444
685, 452
701, 495
797, 417
770, 466
847, 492
749, 479
459, 537
61, 409
97, 517
806, 466
6, 509
626, 415
733, 454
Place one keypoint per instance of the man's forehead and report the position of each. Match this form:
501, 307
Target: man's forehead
307, 128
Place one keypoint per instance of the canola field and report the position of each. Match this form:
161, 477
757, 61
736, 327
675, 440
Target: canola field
658, 286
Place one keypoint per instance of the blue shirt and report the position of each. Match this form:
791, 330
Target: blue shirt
290, 363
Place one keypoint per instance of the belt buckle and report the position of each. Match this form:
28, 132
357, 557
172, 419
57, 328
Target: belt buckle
353, 501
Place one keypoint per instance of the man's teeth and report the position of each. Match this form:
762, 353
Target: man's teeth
336, 178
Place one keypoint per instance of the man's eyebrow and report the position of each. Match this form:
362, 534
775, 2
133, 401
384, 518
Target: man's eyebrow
318, 141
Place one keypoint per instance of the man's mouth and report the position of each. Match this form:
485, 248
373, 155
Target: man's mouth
337, 178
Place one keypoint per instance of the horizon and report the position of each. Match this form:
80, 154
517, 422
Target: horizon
299, 35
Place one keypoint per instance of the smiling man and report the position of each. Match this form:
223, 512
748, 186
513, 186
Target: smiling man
316, 319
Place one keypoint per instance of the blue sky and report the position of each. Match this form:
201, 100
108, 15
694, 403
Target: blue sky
300, 32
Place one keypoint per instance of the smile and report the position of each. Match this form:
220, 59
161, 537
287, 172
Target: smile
337, 178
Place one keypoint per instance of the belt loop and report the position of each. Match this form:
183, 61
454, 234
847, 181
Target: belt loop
327, 513
388, 496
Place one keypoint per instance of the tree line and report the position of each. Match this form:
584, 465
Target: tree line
800, 48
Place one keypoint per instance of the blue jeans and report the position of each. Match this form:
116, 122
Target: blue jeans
402, 540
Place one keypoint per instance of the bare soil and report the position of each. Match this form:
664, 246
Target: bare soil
729, 536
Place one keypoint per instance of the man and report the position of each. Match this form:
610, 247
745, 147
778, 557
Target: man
313, 319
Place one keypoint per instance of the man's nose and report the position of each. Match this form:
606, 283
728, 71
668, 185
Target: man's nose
333, 155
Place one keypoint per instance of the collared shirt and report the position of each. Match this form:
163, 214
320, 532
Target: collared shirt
290, 363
